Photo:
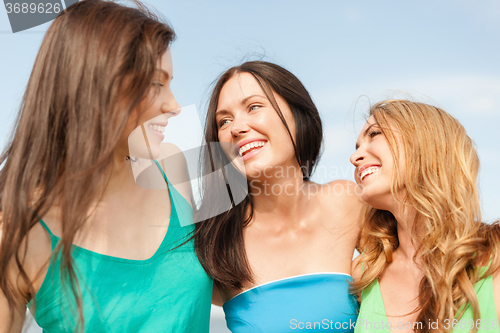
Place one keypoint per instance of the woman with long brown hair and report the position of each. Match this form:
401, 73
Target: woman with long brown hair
280, 258
427, 262
85, 247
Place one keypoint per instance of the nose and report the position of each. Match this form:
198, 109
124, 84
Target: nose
239, 127
357, 157
170, 105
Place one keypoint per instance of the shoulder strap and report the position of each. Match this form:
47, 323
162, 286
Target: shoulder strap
162, 172
181, 206
46, 227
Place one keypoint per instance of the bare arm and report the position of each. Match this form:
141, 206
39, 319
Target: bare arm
216, 297
496, 291
348, 205
356, 270
5, 315
35, 264
12, 319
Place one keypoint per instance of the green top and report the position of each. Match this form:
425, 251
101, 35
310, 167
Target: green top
169, 292
373, 318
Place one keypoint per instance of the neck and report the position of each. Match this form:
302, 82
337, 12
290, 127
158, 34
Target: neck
279, 200
408, 235
121, 179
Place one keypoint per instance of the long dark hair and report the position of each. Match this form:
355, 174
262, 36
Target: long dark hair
94, 68
219, 239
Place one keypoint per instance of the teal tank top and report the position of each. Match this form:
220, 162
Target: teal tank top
373, 318
169, 292
316, 302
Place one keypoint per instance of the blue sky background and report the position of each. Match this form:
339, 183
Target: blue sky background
347, 53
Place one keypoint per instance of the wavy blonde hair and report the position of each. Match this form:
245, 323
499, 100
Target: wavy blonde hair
441, 186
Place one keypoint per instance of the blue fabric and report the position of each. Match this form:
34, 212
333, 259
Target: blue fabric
312, 302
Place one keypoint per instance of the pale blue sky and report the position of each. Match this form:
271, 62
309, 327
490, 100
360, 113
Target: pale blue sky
443, 52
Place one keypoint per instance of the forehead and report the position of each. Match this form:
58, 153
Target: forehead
166, 62
239, 86
370, 122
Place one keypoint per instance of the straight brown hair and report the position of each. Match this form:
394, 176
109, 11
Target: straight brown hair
94, 68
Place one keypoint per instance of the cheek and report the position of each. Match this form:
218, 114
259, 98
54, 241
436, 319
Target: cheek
224, 135
271, 125
356, 178
136, 144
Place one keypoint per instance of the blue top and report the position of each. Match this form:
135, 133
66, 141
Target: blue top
310, 302
169, 292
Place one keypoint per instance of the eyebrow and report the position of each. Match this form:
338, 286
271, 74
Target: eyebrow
251, 96
365, 133
243, 101
165, 74
221, 112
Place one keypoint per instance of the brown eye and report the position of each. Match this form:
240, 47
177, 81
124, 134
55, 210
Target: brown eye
374, 134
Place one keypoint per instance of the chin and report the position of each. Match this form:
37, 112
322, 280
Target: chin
144, 152
376, 200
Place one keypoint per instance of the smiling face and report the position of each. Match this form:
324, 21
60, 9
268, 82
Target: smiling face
145, 129
374, 164
247, 119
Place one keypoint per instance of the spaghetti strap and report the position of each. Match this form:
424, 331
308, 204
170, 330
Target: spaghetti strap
161, 170
46, 227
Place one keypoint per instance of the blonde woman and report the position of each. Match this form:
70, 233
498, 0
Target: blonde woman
427, 262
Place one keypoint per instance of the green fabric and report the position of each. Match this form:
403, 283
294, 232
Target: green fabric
169, 292
487, 309
373, 318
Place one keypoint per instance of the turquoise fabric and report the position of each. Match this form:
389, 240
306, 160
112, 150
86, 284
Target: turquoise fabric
313, 302
169, 292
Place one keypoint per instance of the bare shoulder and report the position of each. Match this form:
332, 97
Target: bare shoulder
175, 166
36, 251
356, 270
34, 254
342, 191
341, 198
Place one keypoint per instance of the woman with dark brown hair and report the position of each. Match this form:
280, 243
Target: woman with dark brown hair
85, 247
281, 258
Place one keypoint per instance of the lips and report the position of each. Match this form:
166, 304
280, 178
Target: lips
249, 148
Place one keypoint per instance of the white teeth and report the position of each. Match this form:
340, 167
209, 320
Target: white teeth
157, 128
251, 145
368, 171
